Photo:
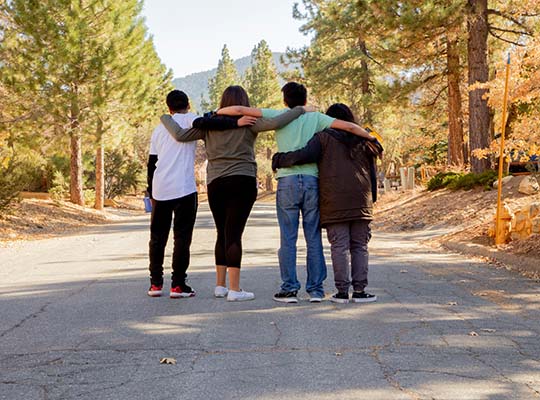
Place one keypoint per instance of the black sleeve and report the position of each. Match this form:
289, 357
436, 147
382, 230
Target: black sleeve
373, 178
309, 154
152, 160
216, 123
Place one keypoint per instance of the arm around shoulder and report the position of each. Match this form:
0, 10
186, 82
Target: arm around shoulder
181, 135
352, 128
306, 155
240, 110
269, 124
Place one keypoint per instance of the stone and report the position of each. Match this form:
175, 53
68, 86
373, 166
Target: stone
519, 221
534, 209
529, 185
536, 225
505, 180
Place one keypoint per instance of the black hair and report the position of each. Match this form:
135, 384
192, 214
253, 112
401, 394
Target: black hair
294, 94
341, 111
177, 101
234, 96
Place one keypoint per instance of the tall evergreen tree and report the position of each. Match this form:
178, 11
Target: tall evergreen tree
131, 78
262, 84
226, 75
82, 62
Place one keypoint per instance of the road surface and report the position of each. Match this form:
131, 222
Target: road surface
77, 324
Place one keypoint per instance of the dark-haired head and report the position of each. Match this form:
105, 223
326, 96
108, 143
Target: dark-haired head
234, 96
177, 101
294, 94
341, 111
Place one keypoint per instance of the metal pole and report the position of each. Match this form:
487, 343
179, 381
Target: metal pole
499, 237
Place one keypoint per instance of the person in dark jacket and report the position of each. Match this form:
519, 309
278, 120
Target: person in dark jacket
348, 189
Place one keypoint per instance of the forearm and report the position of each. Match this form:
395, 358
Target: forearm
352, 128
179, 134
239, 111
216, 123
309, 154
269, 124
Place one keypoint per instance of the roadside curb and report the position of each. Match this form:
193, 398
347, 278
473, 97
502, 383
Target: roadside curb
521, 263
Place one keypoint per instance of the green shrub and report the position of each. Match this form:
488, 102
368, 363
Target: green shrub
441, 180
89, 197
123, 172
459, 181
58, 163
13, 178
59, 186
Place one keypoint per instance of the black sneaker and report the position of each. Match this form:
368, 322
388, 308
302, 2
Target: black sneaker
339, 297
363, 297
286, 297
180, 291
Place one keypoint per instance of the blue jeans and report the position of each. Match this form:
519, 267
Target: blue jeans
295, 194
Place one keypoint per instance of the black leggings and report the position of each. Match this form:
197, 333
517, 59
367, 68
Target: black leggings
231, 199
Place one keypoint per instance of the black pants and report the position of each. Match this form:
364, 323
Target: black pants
231, 199
185, 211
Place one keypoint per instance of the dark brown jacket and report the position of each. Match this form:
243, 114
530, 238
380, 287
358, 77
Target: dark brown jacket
347, 178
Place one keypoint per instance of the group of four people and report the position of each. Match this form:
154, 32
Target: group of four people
326, 176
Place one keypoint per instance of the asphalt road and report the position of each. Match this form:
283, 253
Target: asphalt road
76, 324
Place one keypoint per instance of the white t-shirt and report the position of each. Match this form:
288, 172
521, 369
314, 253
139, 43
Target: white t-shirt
174, 176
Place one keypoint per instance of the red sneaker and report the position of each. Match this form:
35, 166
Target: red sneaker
181, 291
155, 291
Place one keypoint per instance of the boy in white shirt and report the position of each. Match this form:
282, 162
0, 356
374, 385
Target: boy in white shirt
172, 188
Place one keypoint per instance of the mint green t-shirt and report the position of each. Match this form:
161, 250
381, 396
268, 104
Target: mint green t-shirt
295, 136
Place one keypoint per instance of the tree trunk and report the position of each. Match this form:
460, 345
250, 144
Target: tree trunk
76, 169
365, 87
455, 121
477, 27
100, 168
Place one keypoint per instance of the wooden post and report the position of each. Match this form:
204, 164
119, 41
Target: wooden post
499, 234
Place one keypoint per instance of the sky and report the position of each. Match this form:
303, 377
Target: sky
189, 34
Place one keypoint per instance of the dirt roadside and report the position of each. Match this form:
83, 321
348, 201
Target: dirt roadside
459, 222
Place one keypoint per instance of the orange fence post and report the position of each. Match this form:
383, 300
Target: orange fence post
499, 236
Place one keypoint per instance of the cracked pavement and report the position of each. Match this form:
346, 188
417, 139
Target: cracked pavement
77, 324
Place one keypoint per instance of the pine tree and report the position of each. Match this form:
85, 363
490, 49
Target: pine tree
262, 85
86, 65
226, 75
131, 78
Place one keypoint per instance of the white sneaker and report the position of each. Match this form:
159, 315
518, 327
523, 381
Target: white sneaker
239, 296
220, 291
315, 299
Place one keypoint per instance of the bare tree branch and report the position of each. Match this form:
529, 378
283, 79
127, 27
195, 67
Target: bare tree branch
505, 16
503, 39
510, 31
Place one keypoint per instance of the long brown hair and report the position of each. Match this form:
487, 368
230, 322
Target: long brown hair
234, 96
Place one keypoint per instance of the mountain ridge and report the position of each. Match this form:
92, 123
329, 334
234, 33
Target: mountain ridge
196, 84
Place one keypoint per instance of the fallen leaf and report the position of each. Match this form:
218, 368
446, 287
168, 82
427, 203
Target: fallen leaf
338, 354
473, 333
166, 360
452, 303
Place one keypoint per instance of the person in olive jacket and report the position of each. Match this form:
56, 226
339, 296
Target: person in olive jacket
348, 189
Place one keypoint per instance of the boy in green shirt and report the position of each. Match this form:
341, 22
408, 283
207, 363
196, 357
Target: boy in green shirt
298, 192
